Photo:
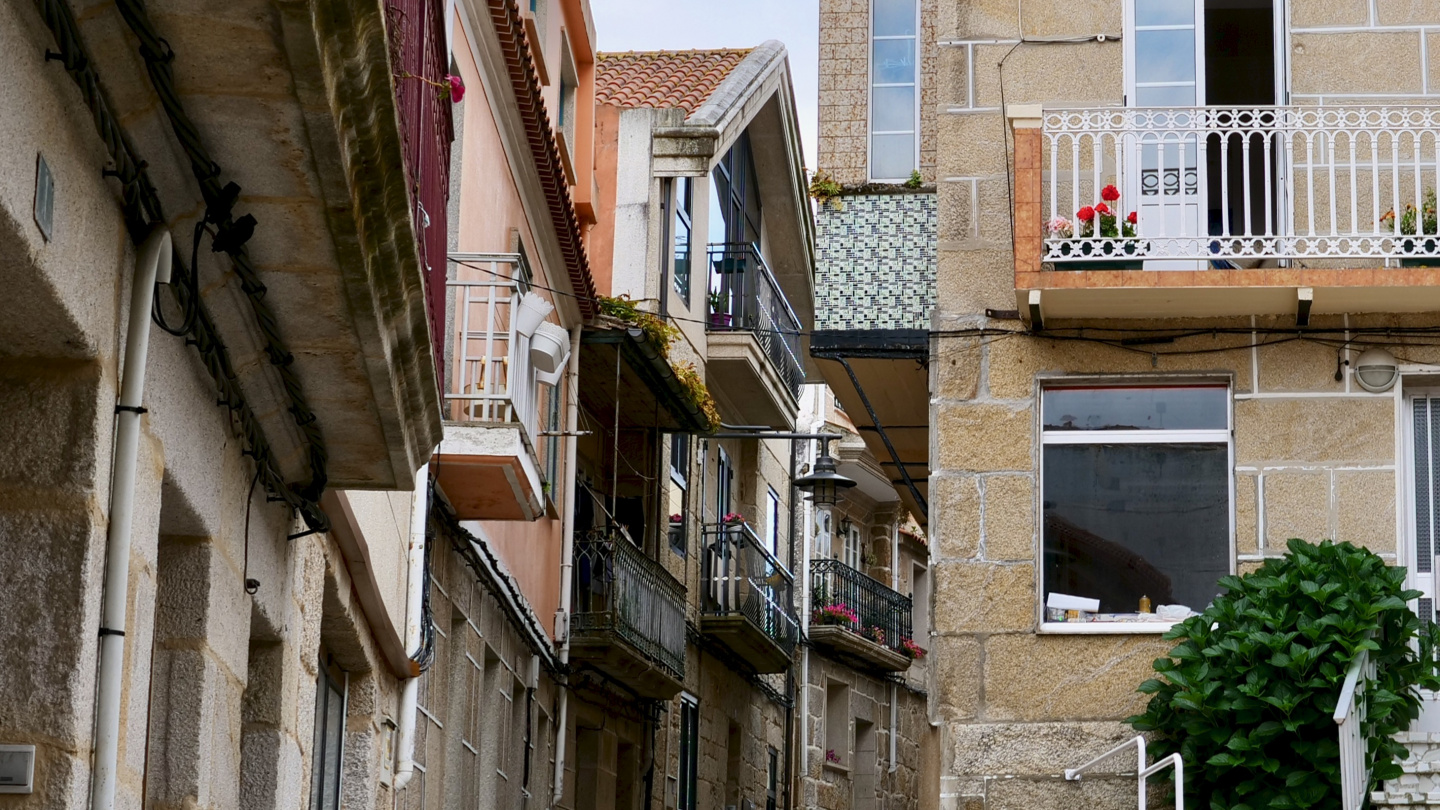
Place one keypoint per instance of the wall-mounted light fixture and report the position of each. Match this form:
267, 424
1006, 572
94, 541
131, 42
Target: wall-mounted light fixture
1376, 370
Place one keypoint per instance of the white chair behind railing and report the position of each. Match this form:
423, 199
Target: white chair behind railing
1350, 720
1142, 772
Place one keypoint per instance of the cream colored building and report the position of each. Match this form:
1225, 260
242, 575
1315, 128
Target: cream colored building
1125, 420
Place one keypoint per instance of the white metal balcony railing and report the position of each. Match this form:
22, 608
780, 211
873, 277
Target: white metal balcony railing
490, 377
1215, 183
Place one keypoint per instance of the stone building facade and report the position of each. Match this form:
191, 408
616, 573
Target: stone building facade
1273, 340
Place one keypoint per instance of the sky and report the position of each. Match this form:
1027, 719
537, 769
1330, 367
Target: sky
651, 25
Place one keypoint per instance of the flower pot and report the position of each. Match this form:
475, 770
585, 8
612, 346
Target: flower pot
720, 319
531, 312
1117, 248
549, 348
1425, 245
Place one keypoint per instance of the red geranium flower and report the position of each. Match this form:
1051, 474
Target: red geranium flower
1133, 218
1109, 194
1085, 214
1102, 208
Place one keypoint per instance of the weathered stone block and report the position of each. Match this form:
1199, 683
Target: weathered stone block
1013, 363
1021, 749
984, 597
1299, 365
959, 675
1054, 794
1009, 517
1315, 430
983, 437
968, 281
957, 364
1247, 518
1030, 73
1345, 63
1365, 509
1311, 13
1033, 677
1407, 12
1296, 505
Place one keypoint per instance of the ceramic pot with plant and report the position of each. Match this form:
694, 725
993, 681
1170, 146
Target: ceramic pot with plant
719, 310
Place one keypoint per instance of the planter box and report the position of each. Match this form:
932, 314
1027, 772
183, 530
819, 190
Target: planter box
1425, 245
1111, 254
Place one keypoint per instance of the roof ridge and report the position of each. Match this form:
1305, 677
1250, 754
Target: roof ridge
675, 52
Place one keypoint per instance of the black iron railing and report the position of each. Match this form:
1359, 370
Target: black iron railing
840, 595
742, 577
619, 590
745, 297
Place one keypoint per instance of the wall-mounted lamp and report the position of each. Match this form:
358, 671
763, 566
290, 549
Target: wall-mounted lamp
1376, 370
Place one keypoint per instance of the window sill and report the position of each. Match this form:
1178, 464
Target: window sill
836, 767
1105, 628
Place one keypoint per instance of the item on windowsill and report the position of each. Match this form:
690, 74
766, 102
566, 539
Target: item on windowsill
677, 518
1099, 231
832, 757
1054, 614
1067, 601
733, 519
719, 314
1424, 248
1074, 616
1144, 604
1174, 613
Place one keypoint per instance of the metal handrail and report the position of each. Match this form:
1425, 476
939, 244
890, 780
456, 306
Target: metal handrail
755, 302
1142, 771
618, 589
876, 606
1349, 719
743, 578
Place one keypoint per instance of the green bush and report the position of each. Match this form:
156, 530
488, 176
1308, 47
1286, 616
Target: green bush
1247, 696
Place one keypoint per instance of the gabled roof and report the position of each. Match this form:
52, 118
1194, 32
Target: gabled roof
663, 79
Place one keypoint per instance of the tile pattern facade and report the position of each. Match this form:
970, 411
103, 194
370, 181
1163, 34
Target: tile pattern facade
879, 248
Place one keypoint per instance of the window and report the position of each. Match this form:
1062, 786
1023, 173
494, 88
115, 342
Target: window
735, 197
1136, 489
689, 751
850, 551
837, 724
893, 90
772, 521
1425, 475
772, 780
679, 488
683, 190
724, 479
329, 735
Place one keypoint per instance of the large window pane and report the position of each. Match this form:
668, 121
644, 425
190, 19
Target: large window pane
892, 109
1117, 408
892, 157
1164, 12
1172, 96
894, 18
1165, 56
893, 61
1125, 521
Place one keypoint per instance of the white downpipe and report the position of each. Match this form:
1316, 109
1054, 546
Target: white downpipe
894, 690
152, 265
567, 553
414, 596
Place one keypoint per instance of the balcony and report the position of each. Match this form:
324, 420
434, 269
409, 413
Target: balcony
858, 620
753, 338
747, 599
1244, 211
488, 463
629, 615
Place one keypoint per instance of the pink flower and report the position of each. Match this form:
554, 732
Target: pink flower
457, 88
1109, 194
1085, 214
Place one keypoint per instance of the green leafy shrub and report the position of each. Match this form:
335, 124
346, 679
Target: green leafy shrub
1247, 696
660, 333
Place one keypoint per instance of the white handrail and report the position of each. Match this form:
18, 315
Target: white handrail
1350, 721
1142, 771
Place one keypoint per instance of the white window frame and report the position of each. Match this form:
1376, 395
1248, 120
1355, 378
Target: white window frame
850, 546
1072, 437
870, 85
772, 521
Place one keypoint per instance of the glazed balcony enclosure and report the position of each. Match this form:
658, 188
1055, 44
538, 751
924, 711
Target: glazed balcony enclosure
747, 603
489, 464
858, 619
1223, 211
753, 337
629, 615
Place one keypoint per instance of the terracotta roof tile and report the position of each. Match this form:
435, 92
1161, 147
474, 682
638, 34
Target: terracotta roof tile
663, 79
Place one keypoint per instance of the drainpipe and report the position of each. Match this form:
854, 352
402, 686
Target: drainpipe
152, 266
895, 586
567, 553
809, 521
414, 595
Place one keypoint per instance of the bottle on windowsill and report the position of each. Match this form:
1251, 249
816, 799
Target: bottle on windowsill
1145, 604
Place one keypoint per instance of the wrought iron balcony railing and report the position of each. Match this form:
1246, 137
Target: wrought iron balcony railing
840, 595
620, 590
741, 577
1241, 184
744, 296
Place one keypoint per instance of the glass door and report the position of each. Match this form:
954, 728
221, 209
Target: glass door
1165, 68
1422, 482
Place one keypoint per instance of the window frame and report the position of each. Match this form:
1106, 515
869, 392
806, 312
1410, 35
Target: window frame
687, 797
870, 86
682, 206
678, 536
1074, 437
331, 676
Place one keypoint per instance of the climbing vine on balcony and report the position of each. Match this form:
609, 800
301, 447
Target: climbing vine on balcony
1248, 693
698, 394
663, 335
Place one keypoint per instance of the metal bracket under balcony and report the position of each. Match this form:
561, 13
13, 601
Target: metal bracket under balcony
858, 620
747, 604
753, 352
629, 615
